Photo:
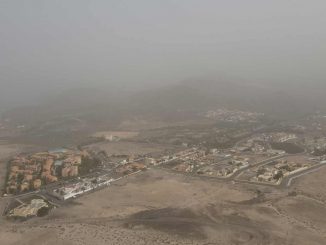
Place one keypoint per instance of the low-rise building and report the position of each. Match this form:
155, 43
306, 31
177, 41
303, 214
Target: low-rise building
28, 210
24, 187
37, 183
69, 171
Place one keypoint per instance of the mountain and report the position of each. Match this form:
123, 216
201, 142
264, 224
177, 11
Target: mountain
192, 96
199, 95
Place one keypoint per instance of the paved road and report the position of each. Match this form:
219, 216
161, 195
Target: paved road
230, 178
259, 164
286, 182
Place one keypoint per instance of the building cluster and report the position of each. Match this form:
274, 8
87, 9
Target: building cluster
279, 137
315, 144
320, 159
277, 171
129, 168
30, 172
28, 210
282, 137
258, 145
211, 162
219, 163
225, 168
233, 115
80, 187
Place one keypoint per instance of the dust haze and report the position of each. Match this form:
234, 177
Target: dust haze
162, 122
50, 46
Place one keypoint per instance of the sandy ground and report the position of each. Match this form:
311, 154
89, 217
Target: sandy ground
156, 207
140, 124
120, 134
129, 148
312, 184
8, 150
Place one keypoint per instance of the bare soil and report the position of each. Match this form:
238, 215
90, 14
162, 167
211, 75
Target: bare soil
156, 207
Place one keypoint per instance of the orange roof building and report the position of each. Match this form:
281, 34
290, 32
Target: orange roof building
69, 171
51, 178
28, 177
24, 186
37, 184
48, 164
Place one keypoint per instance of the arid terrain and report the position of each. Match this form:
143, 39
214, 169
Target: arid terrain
155, 207
128, 148
162, 122
175, 185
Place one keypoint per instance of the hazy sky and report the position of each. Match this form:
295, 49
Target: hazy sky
55, 44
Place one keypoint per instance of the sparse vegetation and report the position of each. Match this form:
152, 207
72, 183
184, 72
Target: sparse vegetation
87, 164
287, 147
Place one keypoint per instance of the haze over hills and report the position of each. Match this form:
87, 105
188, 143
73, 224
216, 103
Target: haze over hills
196, 95
162, 122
